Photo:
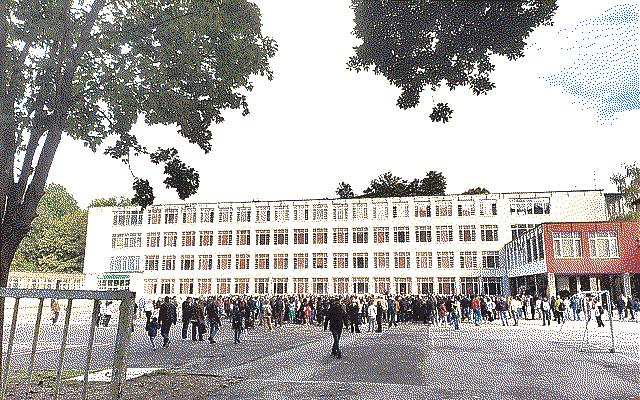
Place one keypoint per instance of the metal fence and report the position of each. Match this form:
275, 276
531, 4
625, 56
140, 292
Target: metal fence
122, 340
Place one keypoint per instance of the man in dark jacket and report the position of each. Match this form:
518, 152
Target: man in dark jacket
186, 316
214, 319
197, 319
166, 317
335, 318
237, 319
354, 309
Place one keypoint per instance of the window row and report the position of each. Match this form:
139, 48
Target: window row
359, 235
601, 245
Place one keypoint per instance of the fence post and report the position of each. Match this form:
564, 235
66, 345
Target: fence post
12, 335
119, 371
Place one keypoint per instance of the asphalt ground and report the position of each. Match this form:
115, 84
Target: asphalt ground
410, 361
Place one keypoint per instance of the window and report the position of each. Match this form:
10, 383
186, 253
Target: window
445, 259
320, 236
151, 263
490, 260
319, 260
423, 209
204, 285
360, 260
155, 216
206, 215
401, 259
423, 259
359, 211
423, 234
263, 214
301, 236
261, 285
224, 214
280, 237
223, 285
300, 212
126, 240
205, 262
188, 238
340, 285
403, 285
447, 286
425, 285
380, 211
320, 285
381, 259
167, 286
380, 234
262, 261
360, 285
467, 233
340, 260
262, 237
492, 286
340, 235
150, 286
400, 210
488, 207
242, 285
224, 261
187, 263
243, 214
171, 216
567, 244
401, 234
188, 215
300, 261
206, 238
603, 244
470, 286
489, 233
518, 230
224, 238
127, 217
530, 206
469, 259
466, 208
382, 285
243, 237
340, 212
320, 212
242, 261
360, 235
444, 234
186, 286
170, 239
105, 284
280, 261
444, 208
280, 285
153, 239
281, 213
168, 263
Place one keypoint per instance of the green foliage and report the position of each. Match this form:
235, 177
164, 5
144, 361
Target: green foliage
345, 191
477, 190
426, 43
628, 185
57, 239
111, 202
389, 185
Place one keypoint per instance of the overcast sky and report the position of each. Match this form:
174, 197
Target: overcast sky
317, 124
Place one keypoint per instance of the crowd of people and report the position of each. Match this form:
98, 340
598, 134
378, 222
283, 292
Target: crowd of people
202, 317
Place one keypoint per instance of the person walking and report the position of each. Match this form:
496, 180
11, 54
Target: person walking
167, 316
237, 319
147, 307
186, 316
379, 315
371, 314
55, 311
545, 310
354, 319
335, 319
266, 317
214, 319
152, 331
476, 307
197, 320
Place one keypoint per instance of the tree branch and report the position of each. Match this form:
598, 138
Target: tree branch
16, 78
4, 33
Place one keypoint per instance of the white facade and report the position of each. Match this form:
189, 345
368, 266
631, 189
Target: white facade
440, 244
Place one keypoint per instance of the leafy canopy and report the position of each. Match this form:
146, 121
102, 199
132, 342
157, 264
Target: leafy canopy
425, 43
345, 191
389, 185
477, 190
628, 184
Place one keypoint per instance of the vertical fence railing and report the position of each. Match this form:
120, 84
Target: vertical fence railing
122, 339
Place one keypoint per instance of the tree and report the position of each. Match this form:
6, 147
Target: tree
90, 69
628, 184
433, 184
114, 201
57, 239
425, 43
345, 191
477, 190
386, 185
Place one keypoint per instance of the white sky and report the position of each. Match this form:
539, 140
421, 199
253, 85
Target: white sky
317, 124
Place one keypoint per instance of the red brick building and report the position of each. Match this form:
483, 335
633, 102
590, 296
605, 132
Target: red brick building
556, 257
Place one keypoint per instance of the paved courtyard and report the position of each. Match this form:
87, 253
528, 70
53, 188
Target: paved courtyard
407, 362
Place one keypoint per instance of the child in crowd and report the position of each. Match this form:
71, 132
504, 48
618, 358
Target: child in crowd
152, 330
